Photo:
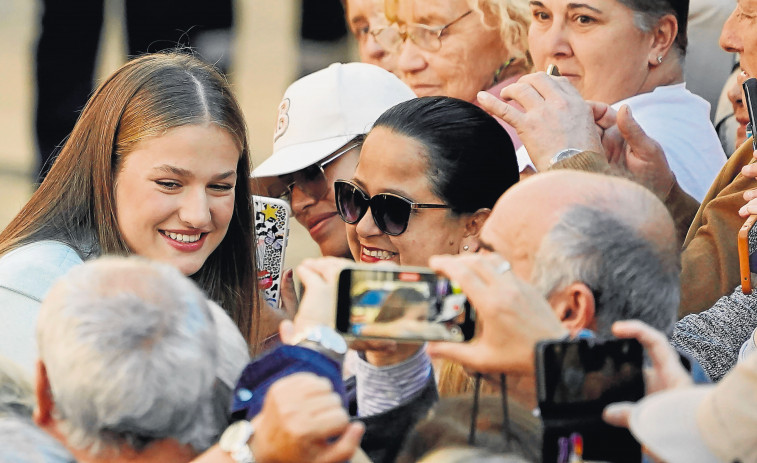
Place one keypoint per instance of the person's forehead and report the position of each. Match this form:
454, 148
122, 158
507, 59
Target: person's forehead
430, 11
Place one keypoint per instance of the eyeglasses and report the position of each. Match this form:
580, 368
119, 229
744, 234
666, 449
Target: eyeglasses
391, 212
311, 180
426, 37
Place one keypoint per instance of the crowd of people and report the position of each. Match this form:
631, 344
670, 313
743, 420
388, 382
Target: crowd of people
545, 155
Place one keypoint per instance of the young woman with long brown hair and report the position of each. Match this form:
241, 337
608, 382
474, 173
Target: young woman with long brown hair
157, 165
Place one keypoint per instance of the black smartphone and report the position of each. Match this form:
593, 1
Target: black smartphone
750, 100
409, 304
575, 381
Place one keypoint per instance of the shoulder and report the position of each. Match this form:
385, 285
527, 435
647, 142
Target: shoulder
31, 269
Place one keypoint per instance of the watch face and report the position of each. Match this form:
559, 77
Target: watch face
236, 435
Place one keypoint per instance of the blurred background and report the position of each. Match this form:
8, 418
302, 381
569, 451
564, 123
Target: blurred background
270, 44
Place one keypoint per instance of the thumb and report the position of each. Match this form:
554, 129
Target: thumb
345, 446
618, 414
632, 132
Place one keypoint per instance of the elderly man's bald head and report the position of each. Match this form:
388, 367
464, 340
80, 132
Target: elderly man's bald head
565, 226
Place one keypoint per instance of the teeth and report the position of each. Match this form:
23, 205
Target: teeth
379, 254
183, 238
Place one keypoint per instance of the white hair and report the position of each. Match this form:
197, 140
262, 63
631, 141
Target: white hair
130, 350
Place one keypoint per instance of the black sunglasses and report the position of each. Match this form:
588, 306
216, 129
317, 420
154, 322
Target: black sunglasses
390, 211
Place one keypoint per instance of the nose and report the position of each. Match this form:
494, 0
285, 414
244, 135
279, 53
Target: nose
556, 42
366, 226
411, 59
194, 211
300, 201
729, 37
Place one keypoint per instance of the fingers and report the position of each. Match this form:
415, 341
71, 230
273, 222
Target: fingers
287, 332
749, 208
749, 170
496, 107
618, 414
654, 342
289, 301
345, 446
468, 354
604, 116
631, 130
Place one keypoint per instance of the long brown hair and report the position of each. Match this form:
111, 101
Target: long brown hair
144, 98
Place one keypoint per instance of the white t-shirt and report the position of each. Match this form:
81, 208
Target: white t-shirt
680, 122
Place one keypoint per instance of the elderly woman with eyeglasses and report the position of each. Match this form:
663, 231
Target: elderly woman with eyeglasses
321, 124
457, 48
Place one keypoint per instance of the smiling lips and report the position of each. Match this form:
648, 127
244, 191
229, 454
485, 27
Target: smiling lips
184, 241
372, 255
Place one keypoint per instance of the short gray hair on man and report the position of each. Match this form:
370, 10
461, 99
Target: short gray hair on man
130, 351
233, 356
22, 442
647, 13
632, 273
16, 391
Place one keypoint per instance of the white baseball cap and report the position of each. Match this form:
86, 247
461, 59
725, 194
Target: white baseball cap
323, 111
702, 424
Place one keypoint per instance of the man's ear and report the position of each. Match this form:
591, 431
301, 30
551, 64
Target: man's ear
473, 225
664, 36
45, 404
575, 306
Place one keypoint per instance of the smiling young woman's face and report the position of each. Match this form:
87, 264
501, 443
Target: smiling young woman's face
594, 43
394, 163
175, 195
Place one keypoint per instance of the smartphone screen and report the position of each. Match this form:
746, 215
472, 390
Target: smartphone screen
576, 380
407, 304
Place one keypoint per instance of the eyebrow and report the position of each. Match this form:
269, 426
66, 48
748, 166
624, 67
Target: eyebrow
573, 6
188, 174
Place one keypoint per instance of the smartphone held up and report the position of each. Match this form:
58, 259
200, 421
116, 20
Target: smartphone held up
408, 304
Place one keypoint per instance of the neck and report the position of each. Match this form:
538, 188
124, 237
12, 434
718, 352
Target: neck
163, 451
669, 72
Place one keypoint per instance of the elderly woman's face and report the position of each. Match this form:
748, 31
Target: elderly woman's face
470, 52
594, 43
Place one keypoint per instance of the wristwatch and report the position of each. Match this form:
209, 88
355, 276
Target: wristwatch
324, 340
563, 155
235, 440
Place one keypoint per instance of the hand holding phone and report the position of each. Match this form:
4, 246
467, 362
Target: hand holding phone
408, 304
575, 381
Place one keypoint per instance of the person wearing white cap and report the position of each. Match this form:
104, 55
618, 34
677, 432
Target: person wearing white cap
322, 121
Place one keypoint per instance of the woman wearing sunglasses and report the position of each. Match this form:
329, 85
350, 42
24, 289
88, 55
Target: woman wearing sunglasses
322, 121
430, 171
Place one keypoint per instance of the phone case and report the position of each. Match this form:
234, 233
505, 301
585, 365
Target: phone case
745, 233
271, 236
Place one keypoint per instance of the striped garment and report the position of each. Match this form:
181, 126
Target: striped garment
383, 388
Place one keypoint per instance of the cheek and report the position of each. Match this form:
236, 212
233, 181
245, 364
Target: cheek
352, 240
222, 211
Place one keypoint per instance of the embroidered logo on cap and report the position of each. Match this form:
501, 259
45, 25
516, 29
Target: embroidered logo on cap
282, 122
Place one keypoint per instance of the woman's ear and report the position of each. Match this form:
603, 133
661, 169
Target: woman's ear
473, 224
575, 306
664, 36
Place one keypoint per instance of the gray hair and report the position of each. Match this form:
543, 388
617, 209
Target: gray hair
22, 442
16, 392
233, 356
631, 275
647, 13
130, 351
